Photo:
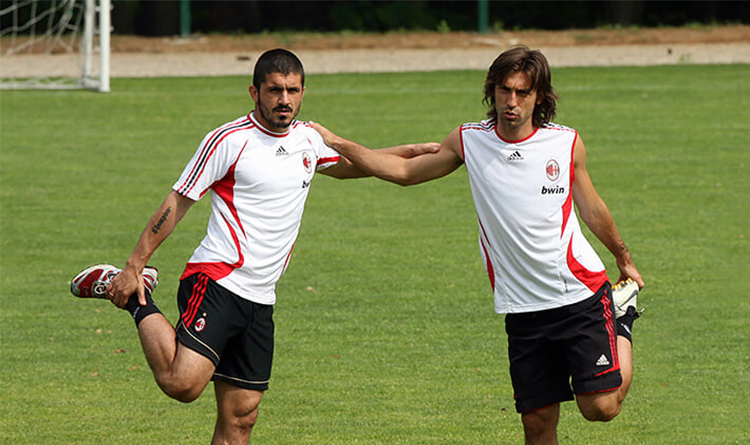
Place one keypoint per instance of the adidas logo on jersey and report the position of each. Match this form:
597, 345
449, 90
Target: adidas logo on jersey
281, 151
515, 156
603, 361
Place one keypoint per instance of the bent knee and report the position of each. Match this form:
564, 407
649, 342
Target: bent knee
601, 413
180, 390
185, 395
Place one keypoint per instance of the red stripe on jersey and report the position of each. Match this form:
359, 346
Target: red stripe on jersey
592, 280
332, 159
224, 189
206, 153
216, 271
568, 204
461, 141
573, 161
286, 261
490, 269
208, 150
497, 132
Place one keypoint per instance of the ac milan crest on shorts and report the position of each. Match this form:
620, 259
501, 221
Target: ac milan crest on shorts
234, 333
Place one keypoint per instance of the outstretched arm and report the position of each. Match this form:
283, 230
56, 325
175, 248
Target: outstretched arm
346, 169
159, 227
596, 215
391, 166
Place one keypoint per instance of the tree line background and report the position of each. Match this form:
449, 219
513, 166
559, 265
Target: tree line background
155, 18
173, 17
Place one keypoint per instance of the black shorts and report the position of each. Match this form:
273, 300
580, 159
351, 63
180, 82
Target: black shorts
552, 350
234, 333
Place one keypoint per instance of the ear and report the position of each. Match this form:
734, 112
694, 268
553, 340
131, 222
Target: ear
254, 94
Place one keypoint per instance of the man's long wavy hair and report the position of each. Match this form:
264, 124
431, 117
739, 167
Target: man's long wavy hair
535, 65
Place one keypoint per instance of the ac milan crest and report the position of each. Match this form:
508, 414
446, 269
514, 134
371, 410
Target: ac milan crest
553, 170
200, 324
306, 162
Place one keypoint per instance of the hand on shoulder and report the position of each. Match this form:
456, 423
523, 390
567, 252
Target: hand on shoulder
328, 136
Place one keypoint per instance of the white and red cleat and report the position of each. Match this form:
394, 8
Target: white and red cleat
92, 282
625, 295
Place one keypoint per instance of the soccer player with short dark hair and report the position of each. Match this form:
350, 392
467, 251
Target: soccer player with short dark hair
258, 170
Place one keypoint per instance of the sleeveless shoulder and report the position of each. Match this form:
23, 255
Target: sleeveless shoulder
551, 126
487, 125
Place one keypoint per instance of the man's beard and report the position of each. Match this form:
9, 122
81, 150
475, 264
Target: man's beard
269, 117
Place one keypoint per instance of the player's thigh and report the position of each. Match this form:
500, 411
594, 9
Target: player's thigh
191, 369
538, 367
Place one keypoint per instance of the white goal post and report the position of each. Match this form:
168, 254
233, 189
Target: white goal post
55, 44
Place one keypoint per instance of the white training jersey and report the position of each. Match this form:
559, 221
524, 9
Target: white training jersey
259, 182
531, 242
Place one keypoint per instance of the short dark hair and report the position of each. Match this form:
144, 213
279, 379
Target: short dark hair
535, 65
277, 61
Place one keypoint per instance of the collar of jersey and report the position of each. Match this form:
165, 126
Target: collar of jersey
266, 131
497, 132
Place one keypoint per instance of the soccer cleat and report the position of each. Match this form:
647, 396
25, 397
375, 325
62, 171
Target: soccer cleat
92, 282
150, 278
625, 295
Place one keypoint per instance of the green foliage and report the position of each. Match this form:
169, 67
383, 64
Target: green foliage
385, 329
148, 17
443, 27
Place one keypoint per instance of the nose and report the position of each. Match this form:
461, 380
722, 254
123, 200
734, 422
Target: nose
512, 99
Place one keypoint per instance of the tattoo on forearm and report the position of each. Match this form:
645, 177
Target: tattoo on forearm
155, 229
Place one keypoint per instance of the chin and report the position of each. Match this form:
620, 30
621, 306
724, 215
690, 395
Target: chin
281, 125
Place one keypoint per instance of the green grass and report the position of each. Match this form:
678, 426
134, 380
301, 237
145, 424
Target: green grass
385, 329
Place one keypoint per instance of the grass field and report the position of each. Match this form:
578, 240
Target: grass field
385, 328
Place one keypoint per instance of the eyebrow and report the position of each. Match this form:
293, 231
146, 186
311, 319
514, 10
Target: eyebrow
519, 90
281, 87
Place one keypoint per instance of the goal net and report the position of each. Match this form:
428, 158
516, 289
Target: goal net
54, 44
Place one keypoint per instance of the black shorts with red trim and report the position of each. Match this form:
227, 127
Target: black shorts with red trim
564, 351
234, 333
